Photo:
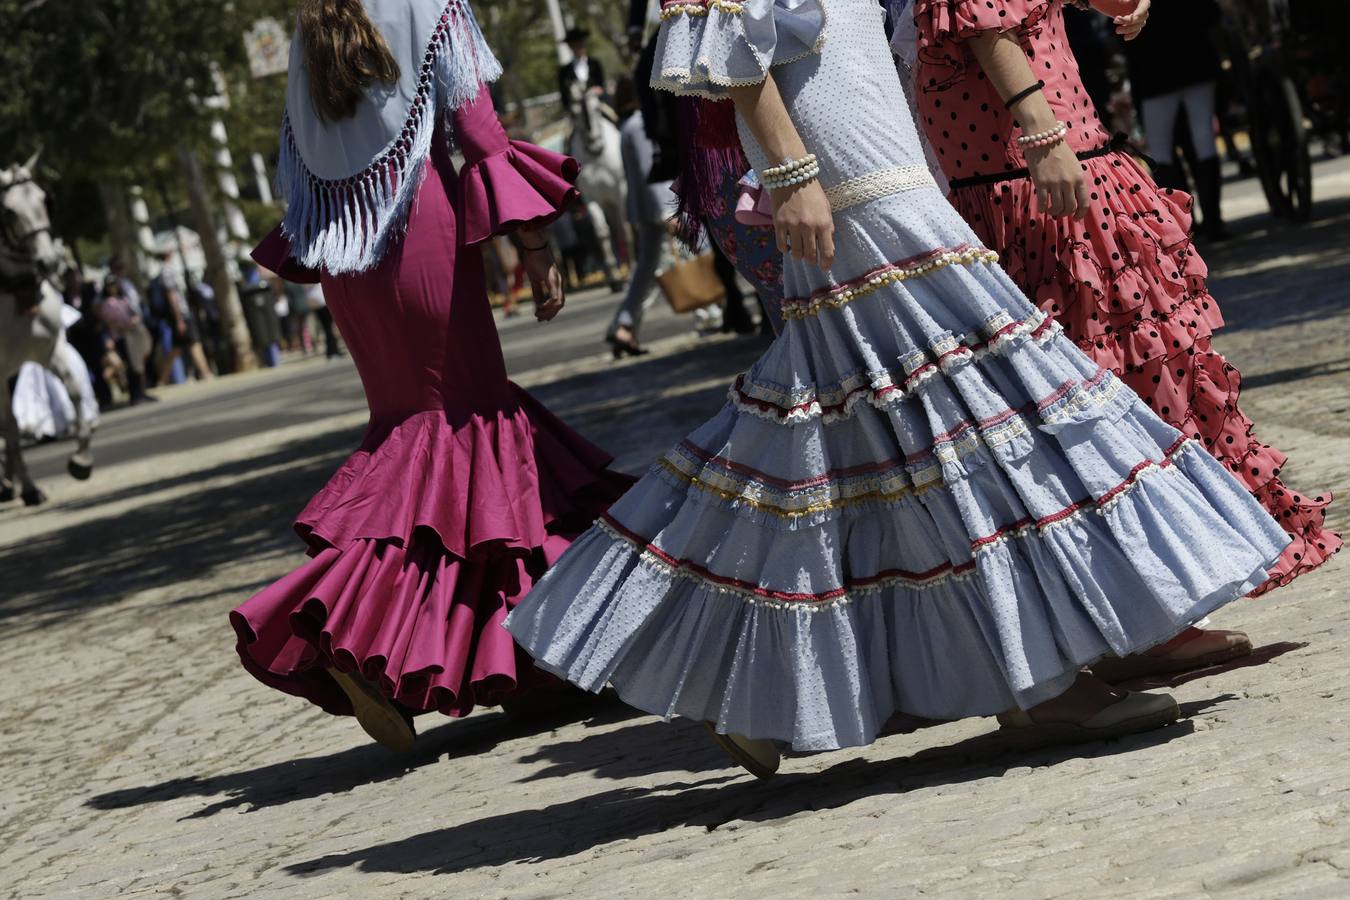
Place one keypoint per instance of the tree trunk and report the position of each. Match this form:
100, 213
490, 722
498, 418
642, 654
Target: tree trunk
122, 238
217, 269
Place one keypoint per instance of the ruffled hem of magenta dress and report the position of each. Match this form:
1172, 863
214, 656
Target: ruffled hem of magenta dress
1137, 290
431, 544
427, 536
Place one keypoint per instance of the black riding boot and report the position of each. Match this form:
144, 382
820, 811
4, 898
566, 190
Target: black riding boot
1170, 175
1209, 188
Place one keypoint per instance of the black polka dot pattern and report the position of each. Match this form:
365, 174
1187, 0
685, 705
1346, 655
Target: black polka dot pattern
1125, 282
955, 98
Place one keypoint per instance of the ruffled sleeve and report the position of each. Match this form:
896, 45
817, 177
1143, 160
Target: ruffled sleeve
507, 184
274, 253
707, 46
943, 25
948, 20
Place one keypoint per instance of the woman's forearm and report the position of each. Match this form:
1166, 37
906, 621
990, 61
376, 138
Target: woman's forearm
1054, 168
802, 217
763, 109
533, 238
1129, 16
1005, 64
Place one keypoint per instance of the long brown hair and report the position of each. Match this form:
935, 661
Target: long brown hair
344, 52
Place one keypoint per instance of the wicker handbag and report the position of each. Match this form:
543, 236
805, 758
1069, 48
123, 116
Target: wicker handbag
692, 282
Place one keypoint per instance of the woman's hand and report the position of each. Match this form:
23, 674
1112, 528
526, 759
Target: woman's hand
1061, 189
1129, 16
1056, 171
804, 223
802, 217
545, 280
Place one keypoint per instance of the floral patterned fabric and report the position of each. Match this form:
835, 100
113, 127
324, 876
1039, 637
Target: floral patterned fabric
752, 249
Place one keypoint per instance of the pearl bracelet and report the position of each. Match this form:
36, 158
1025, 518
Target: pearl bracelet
1045, 143
1048, 138
789, 166
799, 176
1057, 128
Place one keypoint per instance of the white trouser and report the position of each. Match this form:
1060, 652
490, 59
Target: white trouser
652, 255
1160, 116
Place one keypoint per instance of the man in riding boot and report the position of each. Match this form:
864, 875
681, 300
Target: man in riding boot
1174, 70
582, 71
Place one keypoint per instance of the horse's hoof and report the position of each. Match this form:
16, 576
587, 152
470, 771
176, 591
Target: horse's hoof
34, 497
7, 493
80, 469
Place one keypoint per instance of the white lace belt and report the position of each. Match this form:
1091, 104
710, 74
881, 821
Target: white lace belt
878, 184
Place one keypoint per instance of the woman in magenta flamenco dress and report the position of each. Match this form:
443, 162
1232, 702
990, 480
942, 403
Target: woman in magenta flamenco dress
464, 489
1116, 267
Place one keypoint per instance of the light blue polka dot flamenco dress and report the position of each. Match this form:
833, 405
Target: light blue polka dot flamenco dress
922, 497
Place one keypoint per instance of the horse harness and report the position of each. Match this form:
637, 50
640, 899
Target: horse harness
16, 271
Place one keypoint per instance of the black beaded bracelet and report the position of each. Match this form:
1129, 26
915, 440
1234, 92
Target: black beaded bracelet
1023, 94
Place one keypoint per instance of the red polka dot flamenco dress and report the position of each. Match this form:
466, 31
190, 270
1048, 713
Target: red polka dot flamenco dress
1125, 281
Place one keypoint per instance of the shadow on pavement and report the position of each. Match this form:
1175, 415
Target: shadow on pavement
638, 410
294, 780
84, 566
1310, 284
1296, 373
641, 749
1258, 657
575, 826
304, 779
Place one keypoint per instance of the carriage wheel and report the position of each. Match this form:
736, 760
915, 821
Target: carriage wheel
1280, 145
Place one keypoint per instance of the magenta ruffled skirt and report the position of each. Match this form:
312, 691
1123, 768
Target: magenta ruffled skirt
420, 547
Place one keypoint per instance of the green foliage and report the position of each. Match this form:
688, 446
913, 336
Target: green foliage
109, 88
103, 85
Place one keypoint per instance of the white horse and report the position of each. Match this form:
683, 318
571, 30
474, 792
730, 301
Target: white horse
594, 142
31, 329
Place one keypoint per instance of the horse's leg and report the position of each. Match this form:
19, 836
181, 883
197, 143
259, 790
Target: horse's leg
604, 238
16, 470
81, 463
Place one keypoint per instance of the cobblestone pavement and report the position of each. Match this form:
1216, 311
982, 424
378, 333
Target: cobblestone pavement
139, 759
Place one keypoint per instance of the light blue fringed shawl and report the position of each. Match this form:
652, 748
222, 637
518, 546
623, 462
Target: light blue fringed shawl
349, 184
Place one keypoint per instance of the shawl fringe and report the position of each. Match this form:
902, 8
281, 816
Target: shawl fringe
346, 225
711, 153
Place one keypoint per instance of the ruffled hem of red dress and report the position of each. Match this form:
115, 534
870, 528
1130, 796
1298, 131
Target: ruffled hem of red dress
420, 547
420, 624
1126, 278
1134, 296
524, 186
475, 480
